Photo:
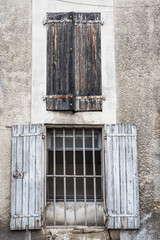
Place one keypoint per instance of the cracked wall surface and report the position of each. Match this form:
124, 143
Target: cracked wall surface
137, 44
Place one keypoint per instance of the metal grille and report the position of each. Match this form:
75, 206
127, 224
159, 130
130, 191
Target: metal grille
74, 169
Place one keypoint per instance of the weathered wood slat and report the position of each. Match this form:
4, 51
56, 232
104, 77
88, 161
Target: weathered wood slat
26, 196
122, 177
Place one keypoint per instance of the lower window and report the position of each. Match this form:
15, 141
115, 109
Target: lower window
74, 177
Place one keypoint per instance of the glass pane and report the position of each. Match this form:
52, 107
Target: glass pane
50, 188
90, 189
80, 188
69, 138
50, 163
60, 188
59, 138
98, 162
96, 140
88, 138
79, 138
79, 162
69, 162
70, 188
89, 163
99, 188
59, 162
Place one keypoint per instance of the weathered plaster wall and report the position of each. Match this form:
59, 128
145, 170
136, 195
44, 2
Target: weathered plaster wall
15, 94
137, 43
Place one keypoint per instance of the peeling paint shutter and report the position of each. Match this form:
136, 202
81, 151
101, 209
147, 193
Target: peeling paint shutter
60, 62
122, 198
74, 62
26, 184
87, 62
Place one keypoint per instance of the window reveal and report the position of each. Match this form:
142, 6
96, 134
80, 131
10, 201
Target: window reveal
74, 169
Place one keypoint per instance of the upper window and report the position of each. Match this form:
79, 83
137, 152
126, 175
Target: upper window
74, 62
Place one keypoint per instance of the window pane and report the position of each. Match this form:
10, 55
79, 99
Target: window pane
70, 188
50, 163
50, 188
80, 188
88, 138
59, 162
59, 138
89, 163
60, 188
98, 162
69, 138
99, 188
79, 162
90, 189
69, 162
79, 138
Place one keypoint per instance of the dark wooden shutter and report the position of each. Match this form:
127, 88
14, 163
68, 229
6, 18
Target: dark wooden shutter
74, 62
26, 184
60, 62
88, 88
122, 198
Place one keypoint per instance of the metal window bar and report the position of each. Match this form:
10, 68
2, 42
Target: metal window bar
84, 172
74, 171
94, 179
64, 172
54, 181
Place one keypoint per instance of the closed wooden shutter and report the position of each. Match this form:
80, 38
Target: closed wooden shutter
74, 62
88, 89
122, 198
60, 78
26, 183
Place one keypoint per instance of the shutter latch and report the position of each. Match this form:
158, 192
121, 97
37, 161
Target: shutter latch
18, 175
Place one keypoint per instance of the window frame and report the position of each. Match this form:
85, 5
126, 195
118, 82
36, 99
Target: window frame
69, 126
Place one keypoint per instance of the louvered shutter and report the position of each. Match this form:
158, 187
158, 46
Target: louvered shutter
122, 198
88, 91
60, 78
74, 62
26, 183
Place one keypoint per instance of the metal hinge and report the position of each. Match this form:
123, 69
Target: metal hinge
43, 136
18, 175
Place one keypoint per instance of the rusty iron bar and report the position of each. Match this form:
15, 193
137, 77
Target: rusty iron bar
94, 179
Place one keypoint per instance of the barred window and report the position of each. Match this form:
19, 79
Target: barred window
74, 174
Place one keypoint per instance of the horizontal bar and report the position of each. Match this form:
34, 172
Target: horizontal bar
58, 96
89, 21
121, 135
21, 216
76, 149
83, 176
90, 97
121, 215
27, 135
57, 21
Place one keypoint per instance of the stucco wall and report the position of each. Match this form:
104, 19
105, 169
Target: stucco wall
137, 43
15, 93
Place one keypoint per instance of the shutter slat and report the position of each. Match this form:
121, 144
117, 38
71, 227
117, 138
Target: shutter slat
122, 177
26, 196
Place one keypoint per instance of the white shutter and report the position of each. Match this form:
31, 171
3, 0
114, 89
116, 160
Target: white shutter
26, 184
122, 198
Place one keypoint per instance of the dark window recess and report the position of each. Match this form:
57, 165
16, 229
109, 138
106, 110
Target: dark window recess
74, 62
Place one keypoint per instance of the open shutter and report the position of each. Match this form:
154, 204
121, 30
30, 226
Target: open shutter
122, 196
26, 184
87, 45
59, 61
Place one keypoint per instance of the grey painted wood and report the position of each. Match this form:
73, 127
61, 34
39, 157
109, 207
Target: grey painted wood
26, 192
122, 177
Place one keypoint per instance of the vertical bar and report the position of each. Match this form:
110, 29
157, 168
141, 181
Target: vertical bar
54, 179
84, 173
94, 173
64, 172
74, 172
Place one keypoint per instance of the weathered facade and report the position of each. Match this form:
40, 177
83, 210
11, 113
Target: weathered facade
130, 67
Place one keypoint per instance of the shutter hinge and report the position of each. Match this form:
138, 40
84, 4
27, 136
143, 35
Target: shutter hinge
18, 175
105, 137
26, 228
43, 136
